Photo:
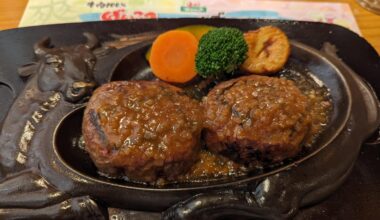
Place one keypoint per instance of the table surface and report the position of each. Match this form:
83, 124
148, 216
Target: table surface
369, 23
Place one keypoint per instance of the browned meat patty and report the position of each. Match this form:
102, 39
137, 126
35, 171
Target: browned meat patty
256, 117
146, 130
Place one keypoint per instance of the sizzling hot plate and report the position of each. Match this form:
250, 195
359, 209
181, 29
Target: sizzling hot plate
303, 60
277, 193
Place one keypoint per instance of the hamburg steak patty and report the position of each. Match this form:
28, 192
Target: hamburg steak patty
256, 117
143, 129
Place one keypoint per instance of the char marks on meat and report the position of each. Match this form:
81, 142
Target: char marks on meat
144, 130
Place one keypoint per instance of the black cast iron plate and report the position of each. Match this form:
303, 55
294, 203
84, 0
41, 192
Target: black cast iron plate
358, 198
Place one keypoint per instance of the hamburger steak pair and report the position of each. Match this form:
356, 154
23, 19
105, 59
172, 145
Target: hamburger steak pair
147, 130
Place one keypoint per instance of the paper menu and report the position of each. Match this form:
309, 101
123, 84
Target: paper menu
40, 12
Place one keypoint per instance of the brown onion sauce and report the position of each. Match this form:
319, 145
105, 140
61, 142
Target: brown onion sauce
211, 166
320, 103
214, 167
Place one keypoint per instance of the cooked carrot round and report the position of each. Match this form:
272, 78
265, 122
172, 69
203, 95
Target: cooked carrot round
173, 56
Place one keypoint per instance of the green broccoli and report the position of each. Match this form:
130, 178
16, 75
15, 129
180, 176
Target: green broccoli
220, 51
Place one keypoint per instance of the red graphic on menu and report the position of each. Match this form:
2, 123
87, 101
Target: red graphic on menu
122, 14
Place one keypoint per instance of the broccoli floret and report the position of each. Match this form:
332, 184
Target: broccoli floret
220, 51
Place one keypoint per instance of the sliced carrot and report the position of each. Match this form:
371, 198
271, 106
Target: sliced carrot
172, 57
198, 30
